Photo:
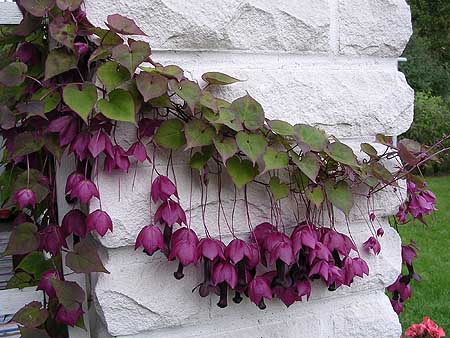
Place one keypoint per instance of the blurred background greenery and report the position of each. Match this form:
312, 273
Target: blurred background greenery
428, 72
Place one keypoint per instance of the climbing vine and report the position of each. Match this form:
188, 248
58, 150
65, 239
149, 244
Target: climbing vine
67, 89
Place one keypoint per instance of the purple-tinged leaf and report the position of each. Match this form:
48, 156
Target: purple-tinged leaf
50, 98
38, 8
198, 134
151, 86
13, 74
309, 164
220, 79
189, 91
69, 294
84, 259
252, 145
32, 108
31, 315
59, 61
131, 56
249, 111
24, 239
70, 5
63, 30
123, 25
27, 143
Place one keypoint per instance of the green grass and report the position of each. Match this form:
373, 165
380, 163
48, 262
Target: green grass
431, 297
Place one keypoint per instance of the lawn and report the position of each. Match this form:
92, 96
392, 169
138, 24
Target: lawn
431, 297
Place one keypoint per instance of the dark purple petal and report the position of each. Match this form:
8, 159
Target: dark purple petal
84, 191
138, 151
151, 239
69, 317
25, 198
225, 272
52, 239
99, 221
74, 222
45, 282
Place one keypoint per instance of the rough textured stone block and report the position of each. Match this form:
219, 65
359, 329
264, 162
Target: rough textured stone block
374, 27
252, 25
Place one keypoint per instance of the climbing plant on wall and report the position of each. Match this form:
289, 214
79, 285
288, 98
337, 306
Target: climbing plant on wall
70, 84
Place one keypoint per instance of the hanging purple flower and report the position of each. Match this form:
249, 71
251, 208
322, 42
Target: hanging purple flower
353, 267
99, 221
224, 272
253, 257
320, 252
52, 239
303, 288
279, 247
211, 249
401, 214
100, 142
151, 239
84, 191
45, 282
74, 222
287, 295
403, 290
138, 151
69, 317
121, 159
408, 253
169, 213
380, 232
329, 273
304, 236
73, 180
258, 289
162, 189
337, 241
66, 126
372, 244
397, 306
184, 248
261, 232
236, 250
79, 146
25, 198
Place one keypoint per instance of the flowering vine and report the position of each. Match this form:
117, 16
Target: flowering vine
68, 86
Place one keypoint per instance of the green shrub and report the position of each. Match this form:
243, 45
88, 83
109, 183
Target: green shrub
431, 123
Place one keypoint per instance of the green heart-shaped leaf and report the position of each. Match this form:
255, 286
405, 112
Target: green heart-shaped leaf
27, 143
112, 75
309, 164
274, 159
51, 98
369, 149
26, 332
342, 153
84, 259
249, 112
189, 91
170, 71
81, 99
198, 134
226, 148
316, 195
151, 86
170, 134
35, 264
281, 128
59, 61
340, 195
120, 106
252, 145
313, 137
131, 56
199, 160
31, 315
241, 172
13, 74
279, 189
217, 78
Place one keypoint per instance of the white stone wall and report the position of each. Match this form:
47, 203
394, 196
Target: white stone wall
331, 63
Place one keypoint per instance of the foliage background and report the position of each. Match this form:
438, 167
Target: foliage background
428, 72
